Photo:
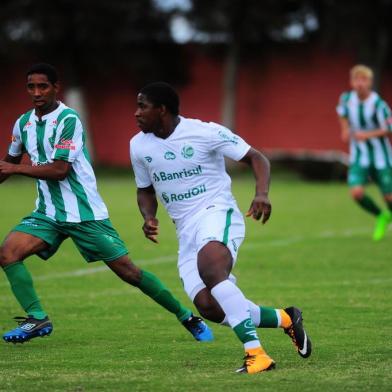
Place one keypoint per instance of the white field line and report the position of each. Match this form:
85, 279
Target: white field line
273, 243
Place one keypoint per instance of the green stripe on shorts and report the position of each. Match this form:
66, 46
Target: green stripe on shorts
227, 226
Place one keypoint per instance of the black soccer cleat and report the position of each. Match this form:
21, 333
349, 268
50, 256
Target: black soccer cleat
198, 328
29, 328
297, 332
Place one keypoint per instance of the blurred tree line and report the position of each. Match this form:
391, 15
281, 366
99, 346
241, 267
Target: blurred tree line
134, 38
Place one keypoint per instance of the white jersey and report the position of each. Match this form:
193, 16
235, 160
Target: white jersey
59, 135
372, 113
187, 169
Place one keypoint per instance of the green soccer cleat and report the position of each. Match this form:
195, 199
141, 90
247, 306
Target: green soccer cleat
382, 222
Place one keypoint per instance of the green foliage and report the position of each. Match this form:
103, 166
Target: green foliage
316, 252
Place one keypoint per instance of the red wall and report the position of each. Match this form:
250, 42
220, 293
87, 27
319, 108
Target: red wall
285, 102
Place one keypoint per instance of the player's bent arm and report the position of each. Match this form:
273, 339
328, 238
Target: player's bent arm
9, 159
147, 202
260, 206
261, 169
57, 170
374, 133
344, 129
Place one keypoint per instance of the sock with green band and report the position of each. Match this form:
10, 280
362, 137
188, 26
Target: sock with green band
23, 288
154, 288
368, 205
267, 317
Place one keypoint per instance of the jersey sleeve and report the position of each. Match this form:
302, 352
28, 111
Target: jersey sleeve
341, 108
16, 147
142, 176
69, 139
384, 116
227, 143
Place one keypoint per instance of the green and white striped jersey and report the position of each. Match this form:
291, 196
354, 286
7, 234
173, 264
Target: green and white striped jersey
372, 113
60, 136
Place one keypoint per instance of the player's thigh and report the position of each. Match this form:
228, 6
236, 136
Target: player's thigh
97, 240
383, 178
225, 228
357, 176
32, 236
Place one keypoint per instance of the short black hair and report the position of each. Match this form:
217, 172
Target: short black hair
161, 93
44, 69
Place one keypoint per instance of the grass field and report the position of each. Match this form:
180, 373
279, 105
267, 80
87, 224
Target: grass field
316, 252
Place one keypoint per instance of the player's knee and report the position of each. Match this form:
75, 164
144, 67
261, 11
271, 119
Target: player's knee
357, 193
388, 197
7, 256
126, 270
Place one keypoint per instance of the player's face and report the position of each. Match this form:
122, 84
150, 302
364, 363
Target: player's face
362, 84
148, 116
42, 92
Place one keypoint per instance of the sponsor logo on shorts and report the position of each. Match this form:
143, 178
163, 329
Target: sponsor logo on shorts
191, 193
235, 246
170, 156
13, 139
187, 151
230, 138
29, 222
184, 173
148, 159
209, 239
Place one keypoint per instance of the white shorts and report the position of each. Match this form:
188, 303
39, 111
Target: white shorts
223, 224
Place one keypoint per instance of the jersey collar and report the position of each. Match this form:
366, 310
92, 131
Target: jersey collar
52, 114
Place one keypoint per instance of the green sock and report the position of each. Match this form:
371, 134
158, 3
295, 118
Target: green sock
246, 331
369, 205
154, 288
23, 288
268, 317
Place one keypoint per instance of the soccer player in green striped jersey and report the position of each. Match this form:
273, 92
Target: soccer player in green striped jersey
366, 122
68, 206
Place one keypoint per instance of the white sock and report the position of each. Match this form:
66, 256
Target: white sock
235, 306
255, 313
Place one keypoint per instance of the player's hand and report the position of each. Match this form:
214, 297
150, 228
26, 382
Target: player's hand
7, 168
361, 136
151, 229
260, 208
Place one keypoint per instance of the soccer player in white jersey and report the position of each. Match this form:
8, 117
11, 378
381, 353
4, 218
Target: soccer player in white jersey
181, 161
68, 205
366, 121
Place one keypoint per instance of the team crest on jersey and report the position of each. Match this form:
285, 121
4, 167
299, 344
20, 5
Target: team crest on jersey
148, 159
169, 155
187, 151
13, 139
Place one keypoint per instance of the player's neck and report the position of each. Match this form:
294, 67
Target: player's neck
364, 95
168, 127
43, 112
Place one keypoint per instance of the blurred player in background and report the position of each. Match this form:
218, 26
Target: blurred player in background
366, 121
68, 206
181, 161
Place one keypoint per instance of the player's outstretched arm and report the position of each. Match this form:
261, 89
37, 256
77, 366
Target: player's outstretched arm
56, 170
9, 159
148, 206
260, 206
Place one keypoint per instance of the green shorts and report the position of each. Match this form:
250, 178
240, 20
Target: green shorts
359, 176
95, 240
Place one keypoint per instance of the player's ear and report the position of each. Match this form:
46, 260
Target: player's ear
163, 110
56, 87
